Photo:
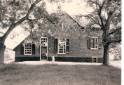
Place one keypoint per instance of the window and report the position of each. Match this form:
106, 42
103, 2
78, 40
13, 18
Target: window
62, 46
28, 49
92, 42
43, 41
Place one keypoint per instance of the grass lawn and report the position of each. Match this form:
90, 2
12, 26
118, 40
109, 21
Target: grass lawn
14, 74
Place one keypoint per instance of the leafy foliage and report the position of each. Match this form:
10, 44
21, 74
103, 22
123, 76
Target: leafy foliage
107, 15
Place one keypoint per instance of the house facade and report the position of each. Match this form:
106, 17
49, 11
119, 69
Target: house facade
65, 41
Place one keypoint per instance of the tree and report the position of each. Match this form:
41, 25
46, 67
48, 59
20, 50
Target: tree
107, 15
18, 12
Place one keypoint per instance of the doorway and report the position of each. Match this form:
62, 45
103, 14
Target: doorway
43, 48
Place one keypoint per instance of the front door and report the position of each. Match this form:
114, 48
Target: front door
43, 48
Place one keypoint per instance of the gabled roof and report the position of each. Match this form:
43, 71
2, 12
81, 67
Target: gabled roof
64, 24
66, 16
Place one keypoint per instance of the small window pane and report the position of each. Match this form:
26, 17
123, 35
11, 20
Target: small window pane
61, 46
93, 43
28, 49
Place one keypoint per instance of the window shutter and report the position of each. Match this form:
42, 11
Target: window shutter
67, 45
21, 49
88, 43
99, 43
93, 43
55, 45
33, 49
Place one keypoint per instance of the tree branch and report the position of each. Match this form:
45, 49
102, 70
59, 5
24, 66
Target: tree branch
32, 6
115, 41
114, 31
100, 17
13, 25
110, 17
1, 33
93, 19
99, 11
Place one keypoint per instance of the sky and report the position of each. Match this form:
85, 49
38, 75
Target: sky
72, 7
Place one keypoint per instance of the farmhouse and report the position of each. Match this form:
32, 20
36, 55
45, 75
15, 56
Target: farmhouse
67, 41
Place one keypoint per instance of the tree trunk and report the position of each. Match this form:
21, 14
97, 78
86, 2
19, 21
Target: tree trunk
105, 54
2, 50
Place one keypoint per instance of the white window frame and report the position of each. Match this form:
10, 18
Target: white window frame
27, 50
95, 46
46, 41
64, 46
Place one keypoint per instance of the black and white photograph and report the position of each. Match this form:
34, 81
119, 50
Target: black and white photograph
60, 42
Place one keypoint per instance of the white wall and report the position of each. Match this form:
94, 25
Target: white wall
9, 56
